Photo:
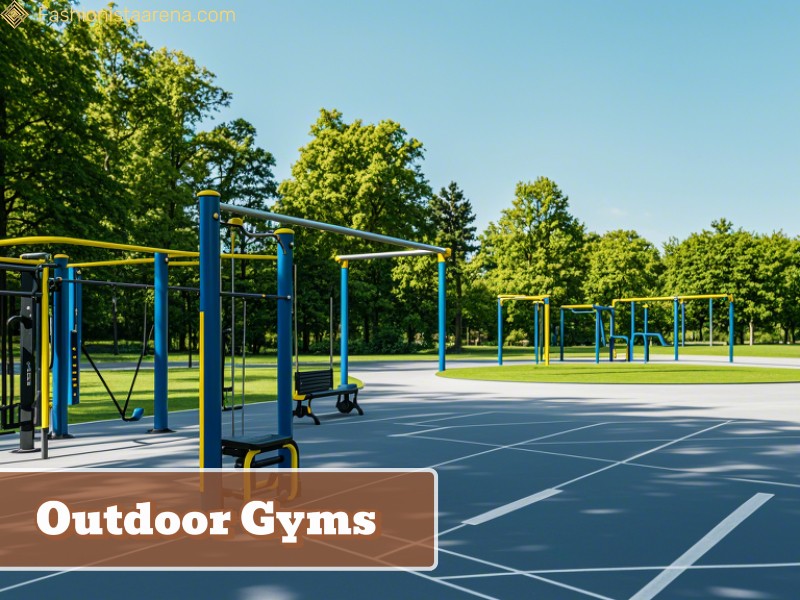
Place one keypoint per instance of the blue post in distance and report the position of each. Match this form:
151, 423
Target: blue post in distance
161, 339
561, 332
730, 328
210, 333
442, 312
597, 325
675, 327
75, 307
710, 321
285, 384
683, 323
500, 331
344, 351
644, 337
633, 331
62, 359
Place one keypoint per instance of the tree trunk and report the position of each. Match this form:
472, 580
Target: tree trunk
752, 332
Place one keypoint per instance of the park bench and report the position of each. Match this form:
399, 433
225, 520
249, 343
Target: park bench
309, 385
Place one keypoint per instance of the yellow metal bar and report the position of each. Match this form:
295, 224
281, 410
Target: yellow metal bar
671, 298
70, 241
19, 261
114, 263
521, 297
250, 256
546, 334
44, 359
184, 263
578, 306
706, 297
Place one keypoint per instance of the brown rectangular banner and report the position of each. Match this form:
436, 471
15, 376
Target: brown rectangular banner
218, 519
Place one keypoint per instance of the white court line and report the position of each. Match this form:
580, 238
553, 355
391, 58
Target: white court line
451, 585
640, 455
760, 482
522, 443
486, 412
514, 571
706, 543
30, 581
511, 507
629, 569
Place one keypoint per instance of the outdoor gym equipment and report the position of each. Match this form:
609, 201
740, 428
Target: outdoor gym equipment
599, 328
677, 301
538, 301
212, 446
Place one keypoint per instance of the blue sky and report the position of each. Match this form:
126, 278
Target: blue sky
658, 116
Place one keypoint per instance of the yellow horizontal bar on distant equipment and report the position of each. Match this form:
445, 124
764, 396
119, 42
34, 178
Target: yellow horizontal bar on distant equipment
70, 241
149, 261
114, 263
521, 297
672, 298
249, 256
706, 297
19, 261
578, 306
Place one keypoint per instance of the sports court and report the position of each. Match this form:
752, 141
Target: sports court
545, 490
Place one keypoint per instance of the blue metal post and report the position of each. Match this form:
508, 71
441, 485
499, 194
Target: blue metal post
675, 327
442, 313
74, 300
561, 333
210, 334
710, 321
633, 331
161, 339
645, 338
536, 331
597, 325
285, 384
344, 351
730, 330
683, 323
499, 332
611, 340
62, 360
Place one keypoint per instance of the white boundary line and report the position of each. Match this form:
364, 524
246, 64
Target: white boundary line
513, 571
522, 443
630, 569
706, 543
640, 455
500, 511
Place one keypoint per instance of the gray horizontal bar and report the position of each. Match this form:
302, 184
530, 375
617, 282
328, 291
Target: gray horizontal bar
396, 254
366, 235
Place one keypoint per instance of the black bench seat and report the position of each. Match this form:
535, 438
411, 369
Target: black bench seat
309, 385
247, 449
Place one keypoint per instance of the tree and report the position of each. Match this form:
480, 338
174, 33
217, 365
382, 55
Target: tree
621, 264
534, 248
452, 220
48, 181
363, 176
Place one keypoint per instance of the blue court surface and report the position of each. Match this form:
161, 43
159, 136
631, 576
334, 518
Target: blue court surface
545, 491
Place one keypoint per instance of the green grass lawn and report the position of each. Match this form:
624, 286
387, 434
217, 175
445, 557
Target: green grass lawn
627, 373
95, 404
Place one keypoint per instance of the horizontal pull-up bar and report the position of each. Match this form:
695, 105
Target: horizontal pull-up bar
150, 261
70, 241
578, 306
172, 288
677, 297
396, 254
19, 261
503, 297
366, 235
